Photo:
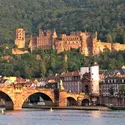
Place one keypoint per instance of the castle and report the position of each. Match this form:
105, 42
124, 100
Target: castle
87, 43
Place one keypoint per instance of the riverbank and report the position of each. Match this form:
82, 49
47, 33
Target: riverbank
117, 107
97, 108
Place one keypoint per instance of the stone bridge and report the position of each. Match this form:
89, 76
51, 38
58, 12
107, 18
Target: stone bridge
14, 97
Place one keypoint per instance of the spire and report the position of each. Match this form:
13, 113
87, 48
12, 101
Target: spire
54, 34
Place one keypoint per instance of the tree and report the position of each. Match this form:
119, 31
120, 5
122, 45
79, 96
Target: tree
122, 89
17, 74
109, 38
43, 68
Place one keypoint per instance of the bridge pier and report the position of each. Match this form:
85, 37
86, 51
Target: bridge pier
62, 98
79, 101
17, 107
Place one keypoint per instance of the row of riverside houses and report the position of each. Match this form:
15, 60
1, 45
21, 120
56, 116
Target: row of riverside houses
109, 89
88, 43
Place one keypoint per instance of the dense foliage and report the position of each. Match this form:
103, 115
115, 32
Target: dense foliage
107, 17
45, 63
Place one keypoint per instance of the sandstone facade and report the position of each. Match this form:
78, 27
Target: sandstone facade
20, 38
18, 51
86, 42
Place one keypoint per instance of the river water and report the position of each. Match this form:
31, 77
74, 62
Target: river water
62, 117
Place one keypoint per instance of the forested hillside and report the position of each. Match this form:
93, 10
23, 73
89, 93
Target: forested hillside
107, 17
51, 63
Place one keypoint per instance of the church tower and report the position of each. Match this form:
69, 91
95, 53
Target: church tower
20, 38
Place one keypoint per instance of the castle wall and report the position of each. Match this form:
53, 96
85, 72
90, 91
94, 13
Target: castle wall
86, 42
103, 46
18, 51
44, 40
118, 46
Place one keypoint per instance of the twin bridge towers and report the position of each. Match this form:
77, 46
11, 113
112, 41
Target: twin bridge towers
15, 97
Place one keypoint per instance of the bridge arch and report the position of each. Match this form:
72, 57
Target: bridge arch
8, 102
85, 102
45, 95
71, 101
39, 97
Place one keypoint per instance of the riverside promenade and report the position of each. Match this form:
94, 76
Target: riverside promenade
97, 108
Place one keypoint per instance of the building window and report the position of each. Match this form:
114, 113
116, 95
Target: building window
111, 80
122, 80
108, 81
114, 80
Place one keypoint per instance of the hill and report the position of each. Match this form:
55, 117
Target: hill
104, 16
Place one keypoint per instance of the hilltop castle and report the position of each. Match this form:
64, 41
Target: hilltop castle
86, 42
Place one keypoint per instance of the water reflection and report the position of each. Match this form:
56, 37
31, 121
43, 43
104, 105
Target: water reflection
62, 117
96, 114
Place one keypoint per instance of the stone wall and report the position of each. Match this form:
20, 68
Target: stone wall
87, 43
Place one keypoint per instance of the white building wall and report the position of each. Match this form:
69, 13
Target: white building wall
94, 73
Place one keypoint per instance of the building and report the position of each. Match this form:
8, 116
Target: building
90, 82
87, 43
112, 87
71, 81
45, 40
20, 38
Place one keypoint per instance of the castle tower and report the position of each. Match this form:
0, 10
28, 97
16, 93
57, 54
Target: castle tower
20, 38
54, 36
94, 44
30, 44
84, 44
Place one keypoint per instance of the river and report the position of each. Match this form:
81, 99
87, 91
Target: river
62, 117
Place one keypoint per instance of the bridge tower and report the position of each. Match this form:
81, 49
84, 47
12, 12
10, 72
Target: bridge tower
94, 83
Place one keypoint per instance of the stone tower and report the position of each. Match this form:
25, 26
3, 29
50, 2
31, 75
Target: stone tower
84, 43
20, 38
94, 75
94, 44
54, 36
